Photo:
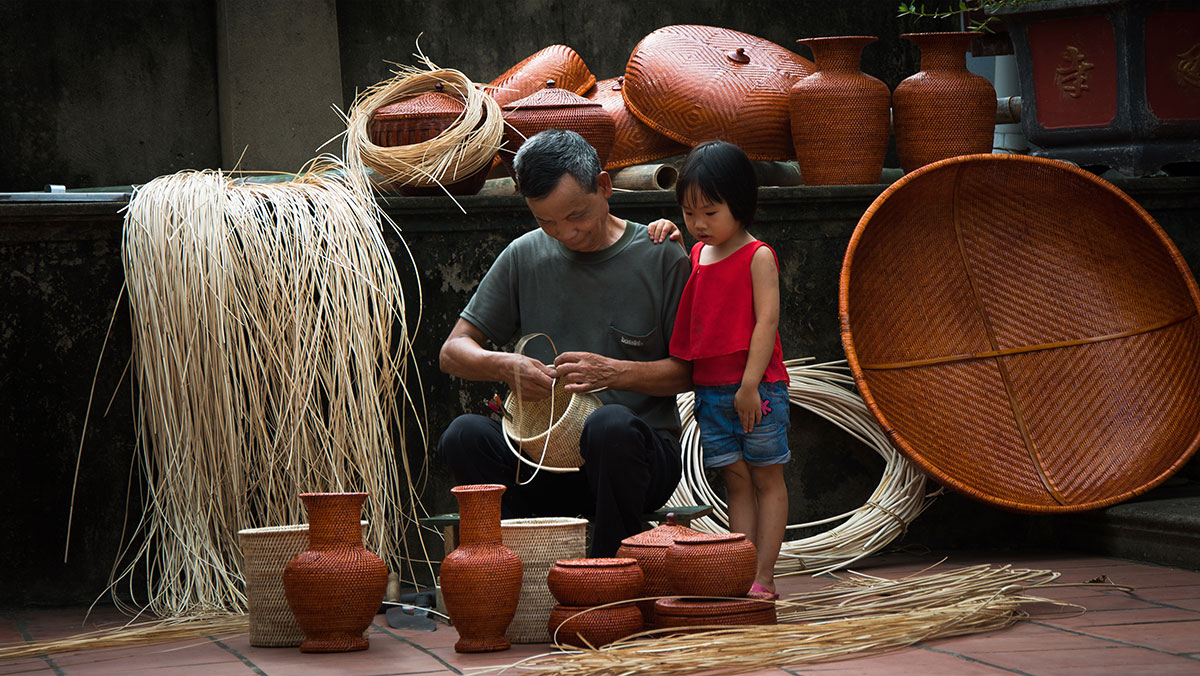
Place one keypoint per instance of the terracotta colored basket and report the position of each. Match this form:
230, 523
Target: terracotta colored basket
711, 564
634, 142
677, 612
539, 542
594, 582
650, 550
555, 108
596, 626
556, 62
699, 83
1025, 332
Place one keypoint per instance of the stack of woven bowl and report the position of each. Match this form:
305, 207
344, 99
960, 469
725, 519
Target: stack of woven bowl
584, 589
711, 574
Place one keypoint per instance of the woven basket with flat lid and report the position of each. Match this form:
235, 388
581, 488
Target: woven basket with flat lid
1025, 332
699, 83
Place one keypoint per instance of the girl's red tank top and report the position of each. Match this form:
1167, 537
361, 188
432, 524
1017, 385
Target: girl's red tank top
716, 319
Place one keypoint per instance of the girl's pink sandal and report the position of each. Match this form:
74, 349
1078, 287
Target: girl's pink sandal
757, 591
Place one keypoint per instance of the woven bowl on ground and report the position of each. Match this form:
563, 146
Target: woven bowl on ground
1025, 332
677, 612
649, 548
580, 625
594, 582
539, 542
711, 564
633, 142
556, 62
692, 84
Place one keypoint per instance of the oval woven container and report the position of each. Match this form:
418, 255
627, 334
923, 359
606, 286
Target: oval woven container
699, 83
676, 612
649, 548
594, 582
633, 142
1025, 332
711, 564
539, 542
556, 62
571, 625
555, 108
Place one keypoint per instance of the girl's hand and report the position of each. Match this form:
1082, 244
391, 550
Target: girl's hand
749, 407
530, 378
662, 230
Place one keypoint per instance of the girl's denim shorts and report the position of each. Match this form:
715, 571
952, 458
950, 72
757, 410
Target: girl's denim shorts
721, 435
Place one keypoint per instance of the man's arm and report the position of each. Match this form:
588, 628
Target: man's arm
464, 355
585, 371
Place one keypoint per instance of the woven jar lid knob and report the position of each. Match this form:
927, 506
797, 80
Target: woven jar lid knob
739, 55
672, 519
620, 82
439, 86
550, 84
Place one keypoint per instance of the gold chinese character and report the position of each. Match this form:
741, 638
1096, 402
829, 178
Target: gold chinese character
1072, 76
1187, 67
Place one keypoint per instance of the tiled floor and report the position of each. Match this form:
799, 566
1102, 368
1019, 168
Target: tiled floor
1155, 629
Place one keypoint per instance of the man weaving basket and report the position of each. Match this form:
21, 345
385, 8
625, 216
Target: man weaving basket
606, 293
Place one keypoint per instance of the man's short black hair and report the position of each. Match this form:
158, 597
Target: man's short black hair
721, 172
544, 158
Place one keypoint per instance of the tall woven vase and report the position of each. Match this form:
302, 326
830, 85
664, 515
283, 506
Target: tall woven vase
839, 115
334, 588
481, 579
944, 110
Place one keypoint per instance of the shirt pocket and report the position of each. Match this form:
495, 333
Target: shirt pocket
637, 345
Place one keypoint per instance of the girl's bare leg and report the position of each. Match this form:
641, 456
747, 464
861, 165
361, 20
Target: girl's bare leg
772, 512
743, 504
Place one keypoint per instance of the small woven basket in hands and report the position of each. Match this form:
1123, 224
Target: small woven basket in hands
539, 542
548, 430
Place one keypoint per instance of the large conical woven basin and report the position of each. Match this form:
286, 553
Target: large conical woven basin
1025, 332
699, 83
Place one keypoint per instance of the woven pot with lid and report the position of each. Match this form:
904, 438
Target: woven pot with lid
711, 564
594, 582
1024, 332
581, 625
421, 118
555, 108
649, 548
633, 142
700, 83
679, 612
556, 62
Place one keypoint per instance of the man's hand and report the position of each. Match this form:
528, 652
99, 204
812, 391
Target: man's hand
749, 407
663, 230
530, 378
587, 371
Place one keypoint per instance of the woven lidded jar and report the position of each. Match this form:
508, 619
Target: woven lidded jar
677, 612
555, 108
574, 625
649, 548
711, 564
594, 582
417, 119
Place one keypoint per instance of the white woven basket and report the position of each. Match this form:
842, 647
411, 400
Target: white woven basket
540, 542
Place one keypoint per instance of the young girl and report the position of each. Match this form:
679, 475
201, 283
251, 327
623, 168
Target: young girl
727, 326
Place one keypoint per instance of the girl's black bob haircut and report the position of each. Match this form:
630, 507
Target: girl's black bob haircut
720, 172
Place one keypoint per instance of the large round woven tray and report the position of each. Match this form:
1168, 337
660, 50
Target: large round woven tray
556, 62
1025, 332
691, 84
634, 142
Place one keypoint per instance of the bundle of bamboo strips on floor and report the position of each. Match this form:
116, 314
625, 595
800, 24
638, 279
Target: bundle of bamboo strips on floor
857, 616
267, 365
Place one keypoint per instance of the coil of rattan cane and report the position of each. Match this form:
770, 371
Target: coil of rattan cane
1025, 332
699, 83
633, 142
556, 62
539, 541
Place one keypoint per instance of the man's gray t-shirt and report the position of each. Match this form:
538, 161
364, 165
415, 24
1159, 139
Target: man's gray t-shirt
619, 302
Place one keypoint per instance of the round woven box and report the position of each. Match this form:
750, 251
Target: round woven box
555, 108
594, 582
677, 612
699, 83
649, 548
711, 564
580, 626
265, 553
539, 542
1025, 332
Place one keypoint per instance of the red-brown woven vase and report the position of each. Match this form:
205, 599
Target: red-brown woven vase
944, 110
335, 586
711, 564
481, 579
594, 582
840, 115
650, 550
597, 626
